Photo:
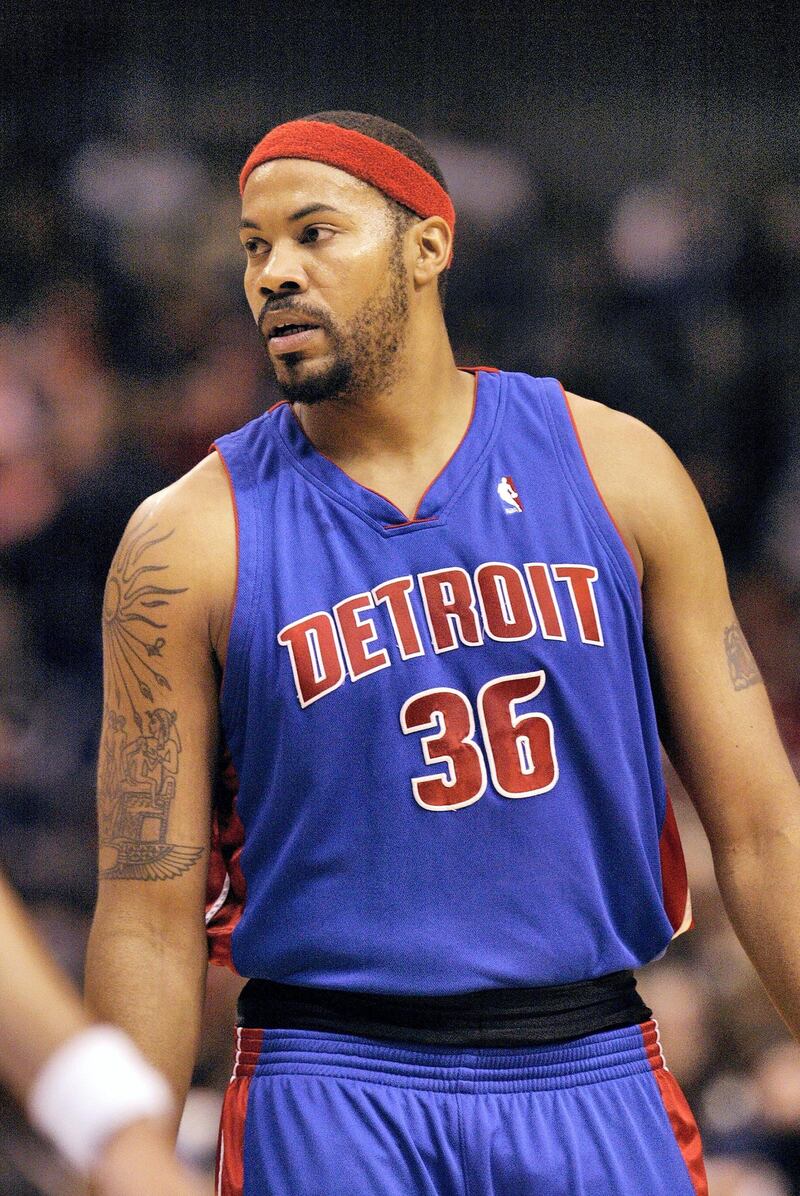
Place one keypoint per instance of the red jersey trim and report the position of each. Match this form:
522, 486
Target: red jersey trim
431, 484
407, 522
594, 482
226, 889
428, 488
236, 529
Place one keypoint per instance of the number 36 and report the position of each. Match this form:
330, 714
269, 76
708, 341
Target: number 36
519, 749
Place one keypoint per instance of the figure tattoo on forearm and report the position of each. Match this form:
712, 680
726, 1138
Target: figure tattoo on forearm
741, 662
141, 746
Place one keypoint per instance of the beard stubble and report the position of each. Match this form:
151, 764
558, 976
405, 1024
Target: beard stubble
366, 356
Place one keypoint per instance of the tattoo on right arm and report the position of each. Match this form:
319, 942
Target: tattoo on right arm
141, 749
741, 662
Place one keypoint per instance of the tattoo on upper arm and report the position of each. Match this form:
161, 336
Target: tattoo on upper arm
741, 662
141, 747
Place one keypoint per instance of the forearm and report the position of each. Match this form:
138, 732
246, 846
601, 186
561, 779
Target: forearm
760, 885
39, 1010
147, 975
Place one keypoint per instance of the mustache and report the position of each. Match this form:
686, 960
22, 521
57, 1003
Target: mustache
287, 304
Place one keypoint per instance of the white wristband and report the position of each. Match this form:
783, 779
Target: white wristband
89, 1088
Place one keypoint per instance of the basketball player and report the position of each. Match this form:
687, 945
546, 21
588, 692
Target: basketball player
86, 1087
403, 614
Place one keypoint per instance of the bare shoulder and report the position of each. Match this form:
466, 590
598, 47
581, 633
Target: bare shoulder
187, 533
200, 500
647, 490
622, 451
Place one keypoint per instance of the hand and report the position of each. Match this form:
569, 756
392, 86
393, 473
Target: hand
139, 1161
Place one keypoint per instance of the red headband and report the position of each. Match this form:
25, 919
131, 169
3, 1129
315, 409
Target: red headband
385, 168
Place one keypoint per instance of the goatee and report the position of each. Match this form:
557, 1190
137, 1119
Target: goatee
333, 383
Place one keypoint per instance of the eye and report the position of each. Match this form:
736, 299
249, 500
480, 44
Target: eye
316, 234
253, 246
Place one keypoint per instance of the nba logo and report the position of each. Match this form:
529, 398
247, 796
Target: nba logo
507, 492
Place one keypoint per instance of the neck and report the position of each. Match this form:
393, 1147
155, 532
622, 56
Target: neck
425, 405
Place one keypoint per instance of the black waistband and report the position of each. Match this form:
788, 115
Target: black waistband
492, 1017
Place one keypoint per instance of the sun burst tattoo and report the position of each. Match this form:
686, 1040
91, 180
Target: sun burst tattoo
741, 662
130, 596
137, 776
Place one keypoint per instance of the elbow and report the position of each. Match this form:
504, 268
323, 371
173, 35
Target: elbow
761, 843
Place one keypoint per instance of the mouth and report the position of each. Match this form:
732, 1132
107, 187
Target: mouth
289, 337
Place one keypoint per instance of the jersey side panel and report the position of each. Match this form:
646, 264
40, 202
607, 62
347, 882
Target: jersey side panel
226, 890
674, 882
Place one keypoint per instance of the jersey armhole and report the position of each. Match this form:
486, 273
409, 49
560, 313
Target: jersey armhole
572, 456
215, 449
593, 479
248, 574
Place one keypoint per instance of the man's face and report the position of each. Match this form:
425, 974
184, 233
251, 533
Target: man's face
325, 279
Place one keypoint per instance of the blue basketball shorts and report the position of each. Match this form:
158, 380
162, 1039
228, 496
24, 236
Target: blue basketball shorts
315, 1114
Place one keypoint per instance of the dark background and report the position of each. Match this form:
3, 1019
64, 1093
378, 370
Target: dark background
628, 188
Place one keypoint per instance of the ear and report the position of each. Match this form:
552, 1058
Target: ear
432, 243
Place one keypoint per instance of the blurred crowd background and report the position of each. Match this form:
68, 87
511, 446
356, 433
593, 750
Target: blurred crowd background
628, 190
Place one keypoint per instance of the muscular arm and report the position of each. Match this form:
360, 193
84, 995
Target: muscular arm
718, 725
146, 961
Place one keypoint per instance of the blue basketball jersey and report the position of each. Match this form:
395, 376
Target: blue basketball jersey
445, 769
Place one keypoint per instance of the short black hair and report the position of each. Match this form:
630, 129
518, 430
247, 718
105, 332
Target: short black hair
400, 139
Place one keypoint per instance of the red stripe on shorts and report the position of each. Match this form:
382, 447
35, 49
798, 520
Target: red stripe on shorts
230, 1147
680, 1116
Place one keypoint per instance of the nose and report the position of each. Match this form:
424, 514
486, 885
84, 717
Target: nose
282, 271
